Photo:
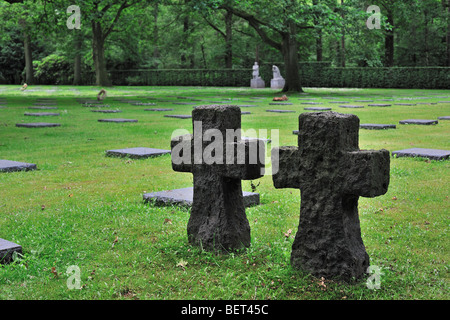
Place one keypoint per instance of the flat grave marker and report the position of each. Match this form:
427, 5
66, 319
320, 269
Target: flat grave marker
137, 153
41, 114
350, 106
12, 166
178, 116
158, 109
432, 154
317, 108
117, 120
7, 249
419, 121
38, 125
185, 196
280, 111
376, 126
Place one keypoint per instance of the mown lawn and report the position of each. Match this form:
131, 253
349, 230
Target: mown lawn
81, 208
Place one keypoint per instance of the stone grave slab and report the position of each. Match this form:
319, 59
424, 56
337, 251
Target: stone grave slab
45, 103
186, 103
178, 116
317, 108
184, 197
38, 125
245, 112
379, 105
280, 111
339, 102
41, 114
375, 126
432, 154
404, 104
350, 106
137, 153
11, 166
419, 121
7, 249
117, 120
247, 105
107, 111
158, 109
444, 118
363, 100
280, 103
43, 108
310, 103
143, 104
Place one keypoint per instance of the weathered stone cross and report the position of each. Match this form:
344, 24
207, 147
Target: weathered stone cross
332, 173
218, 160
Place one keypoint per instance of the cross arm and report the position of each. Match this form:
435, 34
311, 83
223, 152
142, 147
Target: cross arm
286, 167
245, 159
367, 173
181, 153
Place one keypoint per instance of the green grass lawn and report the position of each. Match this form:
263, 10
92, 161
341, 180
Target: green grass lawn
81, 208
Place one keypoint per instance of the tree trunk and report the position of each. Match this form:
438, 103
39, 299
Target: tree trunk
156, 53
319, 45
290, 56
448, 33
98, 54
29, 73
77, 60
343, 42
228, 40
389, 42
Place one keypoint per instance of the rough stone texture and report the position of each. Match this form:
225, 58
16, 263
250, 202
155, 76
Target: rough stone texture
38, 125
185, 196
419, 121
7, 248
10, 166
178, 116
332, 174
218, 220
376, 126
137, 153
41, 114
432, 154
117, 120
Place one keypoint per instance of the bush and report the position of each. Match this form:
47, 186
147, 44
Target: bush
53, 69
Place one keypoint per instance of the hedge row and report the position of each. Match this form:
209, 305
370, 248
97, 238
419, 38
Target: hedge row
312, 75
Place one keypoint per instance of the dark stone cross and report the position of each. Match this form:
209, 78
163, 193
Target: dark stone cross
332, 173
218, 220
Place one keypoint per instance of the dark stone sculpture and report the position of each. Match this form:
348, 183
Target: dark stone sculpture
218, 220
332, 173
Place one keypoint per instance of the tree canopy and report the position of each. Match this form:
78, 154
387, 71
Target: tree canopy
219, 34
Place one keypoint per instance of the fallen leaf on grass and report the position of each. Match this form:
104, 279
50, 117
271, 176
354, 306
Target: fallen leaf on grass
53, 271
167, 221
182, 264
115, 241
288, 233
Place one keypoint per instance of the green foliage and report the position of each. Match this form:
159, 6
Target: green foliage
53, 69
